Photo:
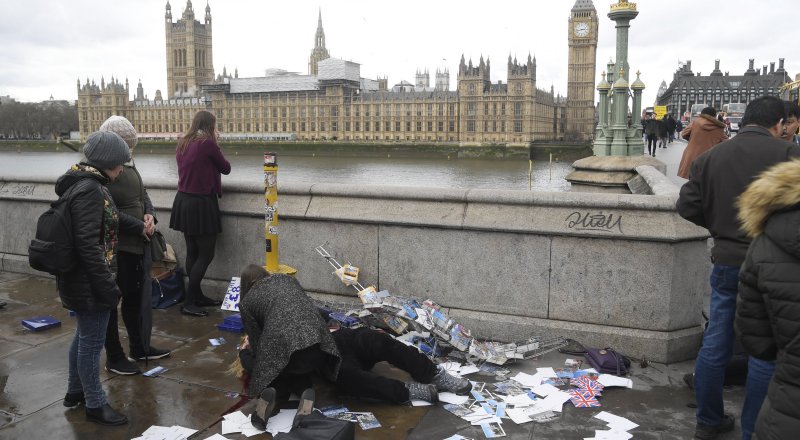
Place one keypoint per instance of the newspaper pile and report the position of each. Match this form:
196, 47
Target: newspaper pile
430, 328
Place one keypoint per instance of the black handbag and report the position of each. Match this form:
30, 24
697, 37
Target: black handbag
316, 426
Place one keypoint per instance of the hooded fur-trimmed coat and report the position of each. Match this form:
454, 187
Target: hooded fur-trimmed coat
768, 306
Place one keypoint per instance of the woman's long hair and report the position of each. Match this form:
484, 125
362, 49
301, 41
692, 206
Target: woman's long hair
203, 127
250, 276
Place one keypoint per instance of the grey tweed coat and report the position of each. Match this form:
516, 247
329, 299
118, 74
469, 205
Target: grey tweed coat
280, 319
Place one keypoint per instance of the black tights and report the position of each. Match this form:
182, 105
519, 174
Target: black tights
199, 254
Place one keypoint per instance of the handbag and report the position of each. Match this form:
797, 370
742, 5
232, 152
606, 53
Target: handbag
316, 426
163, 256
167, 290
604, 360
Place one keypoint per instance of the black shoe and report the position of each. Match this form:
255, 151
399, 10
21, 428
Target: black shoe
193, 310
707, 432
123, 367
264, 407
105, 415
422, 391
205, 301
152, 353
305, 407
447, 382
71, 400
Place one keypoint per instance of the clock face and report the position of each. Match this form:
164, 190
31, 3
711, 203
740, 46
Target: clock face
581, 29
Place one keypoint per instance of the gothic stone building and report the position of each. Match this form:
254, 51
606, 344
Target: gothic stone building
334, 102
718, 88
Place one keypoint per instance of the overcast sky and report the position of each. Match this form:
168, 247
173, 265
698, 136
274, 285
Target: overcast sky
46, 45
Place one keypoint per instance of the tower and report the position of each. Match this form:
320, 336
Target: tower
423, 80
189, 54
319, 52
582, 38
442, 80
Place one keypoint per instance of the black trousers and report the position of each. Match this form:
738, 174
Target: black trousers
296, 377
651, 144
362, 348
129, 279
199, 254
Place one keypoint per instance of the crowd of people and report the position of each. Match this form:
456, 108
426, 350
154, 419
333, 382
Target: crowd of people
744, 190
753, 285
112, 221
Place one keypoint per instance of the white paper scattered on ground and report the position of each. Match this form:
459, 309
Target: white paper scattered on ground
216, 437
612, 435
518, 415
457, 437
175, 432
544, 389
281, 422
519, 400
234, 422
528, 380
420, 403
468, 369
609, 380
616, 423
451, 367
546, 372
448, 397
491, 419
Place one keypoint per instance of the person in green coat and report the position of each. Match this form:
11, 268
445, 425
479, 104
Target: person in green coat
131, 198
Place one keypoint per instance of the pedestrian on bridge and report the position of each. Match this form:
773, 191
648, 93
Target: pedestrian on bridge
717, 178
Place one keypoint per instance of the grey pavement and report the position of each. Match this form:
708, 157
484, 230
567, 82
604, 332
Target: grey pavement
195, 392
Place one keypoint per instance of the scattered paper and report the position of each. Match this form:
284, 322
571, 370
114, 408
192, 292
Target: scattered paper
468, 369
616, 423
174, 432
519, 400
609, 380
281, 422
216, 437
544, 389
546, 372
154, 372
217, 341
528, 380
448, 397
492, 430
420, 403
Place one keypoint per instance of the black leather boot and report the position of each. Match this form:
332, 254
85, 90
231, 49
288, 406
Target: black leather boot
105, 415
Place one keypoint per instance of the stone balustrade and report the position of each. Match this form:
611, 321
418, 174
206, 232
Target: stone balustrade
620, 270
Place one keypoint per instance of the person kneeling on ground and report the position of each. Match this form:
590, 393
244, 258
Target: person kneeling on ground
288, 341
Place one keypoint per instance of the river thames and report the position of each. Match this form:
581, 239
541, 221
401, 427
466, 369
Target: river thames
440, 173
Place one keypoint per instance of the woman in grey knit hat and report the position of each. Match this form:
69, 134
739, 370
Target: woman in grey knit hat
89, 289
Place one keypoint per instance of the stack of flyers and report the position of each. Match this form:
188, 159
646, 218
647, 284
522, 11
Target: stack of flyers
458, 410
331, 411
460, 337
398, 325
509, 388
348, 274
366, 420
492, 430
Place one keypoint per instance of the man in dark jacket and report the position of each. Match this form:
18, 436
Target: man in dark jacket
89, 290
768, 309
716, 179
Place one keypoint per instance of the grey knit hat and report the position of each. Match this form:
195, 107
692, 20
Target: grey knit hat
106, 150
121, 126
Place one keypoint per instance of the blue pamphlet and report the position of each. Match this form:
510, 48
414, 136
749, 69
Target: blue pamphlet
40, 323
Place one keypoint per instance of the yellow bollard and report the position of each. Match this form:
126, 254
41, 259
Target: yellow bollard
272, 256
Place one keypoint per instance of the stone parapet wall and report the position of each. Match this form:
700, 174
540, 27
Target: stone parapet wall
607, 269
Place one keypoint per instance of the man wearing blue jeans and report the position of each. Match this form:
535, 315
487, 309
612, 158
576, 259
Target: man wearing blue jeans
708, 199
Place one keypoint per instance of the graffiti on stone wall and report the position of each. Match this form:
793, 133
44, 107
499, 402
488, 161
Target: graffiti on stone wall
17, 189
580, 221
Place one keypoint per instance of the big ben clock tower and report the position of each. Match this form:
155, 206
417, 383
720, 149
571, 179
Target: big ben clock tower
581, 74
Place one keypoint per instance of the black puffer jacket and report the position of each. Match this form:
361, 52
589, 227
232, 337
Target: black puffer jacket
768, 307
90, 287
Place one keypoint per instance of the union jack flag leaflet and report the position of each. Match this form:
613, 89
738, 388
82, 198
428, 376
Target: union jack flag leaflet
583, 400
584, 383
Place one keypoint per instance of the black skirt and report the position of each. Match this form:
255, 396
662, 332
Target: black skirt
195, 214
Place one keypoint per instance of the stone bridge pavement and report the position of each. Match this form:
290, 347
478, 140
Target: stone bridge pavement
195, 391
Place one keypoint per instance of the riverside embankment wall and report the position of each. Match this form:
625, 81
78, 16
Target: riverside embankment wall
606, 269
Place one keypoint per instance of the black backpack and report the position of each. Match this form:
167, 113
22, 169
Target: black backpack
52, 251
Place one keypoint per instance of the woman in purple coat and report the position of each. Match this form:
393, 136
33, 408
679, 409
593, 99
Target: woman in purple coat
195, 211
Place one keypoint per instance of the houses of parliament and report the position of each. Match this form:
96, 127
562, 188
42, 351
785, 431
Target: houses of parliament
333, 101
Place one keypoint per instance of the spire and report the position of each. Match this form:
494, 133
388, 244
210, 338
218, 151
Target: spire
208, 13
319, 37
